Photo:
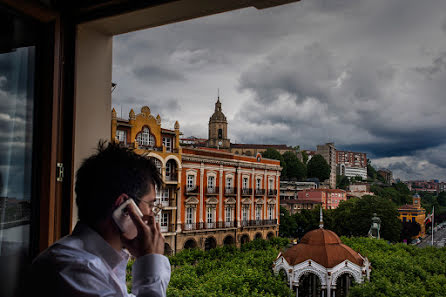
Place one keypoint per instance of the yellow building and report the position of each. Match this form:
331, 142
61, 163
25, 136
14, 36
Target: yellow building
143, 131
414, 213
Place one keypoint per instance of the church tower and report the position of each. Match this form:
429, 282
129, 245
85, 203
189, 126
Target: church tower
218, 128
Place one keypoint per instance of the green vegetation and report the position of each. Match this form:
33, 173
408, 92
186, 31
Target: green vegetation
292, 167
352, 218
398, 193
400, 270
317, 167
228, 271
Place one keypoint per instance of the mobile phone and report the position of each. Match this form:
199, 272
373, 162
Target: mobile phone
123, 220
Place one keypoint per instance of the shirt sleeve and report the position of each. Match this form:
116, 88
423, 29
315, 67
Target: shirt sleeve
151, 275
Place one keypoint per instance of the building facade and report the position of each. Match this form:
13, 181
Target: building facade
226, 199
328, 198
328, 151
414, 213
144, 133
387, 175
288, 195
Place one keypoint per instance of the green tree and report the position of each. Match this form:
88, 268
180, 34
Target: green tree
318, 167
304, 157
409, 230
371, 171
342, 182
295, 169
271, 153
354, 217
442, 199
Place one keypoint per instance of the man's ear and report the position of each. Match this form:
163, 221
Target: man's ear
121, 198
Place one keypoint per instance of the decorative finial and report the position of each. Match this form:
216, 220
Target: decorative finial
113, 113
132, 115
177, 126
321, 222
158, 119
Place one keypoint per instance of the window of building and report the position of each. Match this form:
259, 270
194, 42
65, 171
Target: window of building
164, 219
210, 217
271, 184
167, 142
190, 181
190, 215
165, 197
258, 184
168, 169
211, 182
121, 136
144, 138
245, 183
245, 211
220, 133
258, 212
229, 182
270, 212
158, 164
228, 214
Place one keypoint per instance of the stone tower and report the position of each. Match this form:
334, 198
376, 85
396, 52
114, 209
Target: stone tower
218, 128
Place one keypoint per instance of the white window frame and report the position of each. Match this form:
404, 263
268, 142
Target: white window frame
245, 184
164, 222
258, 212
165, 197
167, 142
245, 214
210, 217
270, 212
121, 136
258, 183
190, 181
190, 217
144, 138
228, 182
228, 214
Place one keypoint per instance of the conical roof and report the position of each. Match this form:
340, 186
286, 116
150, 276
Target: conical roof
324, 247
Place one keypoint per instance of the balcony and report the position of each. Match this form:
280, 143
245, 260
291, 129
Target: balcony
172, 177
167, 228
211, 191
150, 148
246, 192
272, 193
257, 223
208, 226
191, 190
259, 192
230, 191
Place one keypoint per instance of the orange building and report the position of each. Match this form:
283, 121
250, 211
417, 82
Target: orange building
226, 198
414, 213
328, 198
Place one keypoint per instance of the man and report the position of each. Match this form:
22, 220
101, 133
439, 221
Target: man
92, 260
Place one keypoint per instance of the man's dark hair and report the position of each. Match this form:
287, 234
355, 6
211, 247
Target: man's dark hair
104, 176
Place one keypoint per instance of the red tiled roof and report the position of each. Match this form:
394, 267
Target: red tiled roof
324, 247
277, 146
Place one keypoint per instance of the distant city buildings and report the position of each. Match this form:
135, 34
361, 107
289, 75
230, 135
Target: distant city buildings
414, 213
432, 186
351, 164
387, 175
359, 190
328, 151
328, 198
289, 193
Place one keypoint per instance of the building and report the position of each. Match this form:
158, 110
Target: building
359, 190
414, 213
387, 175
218, 128
193, 141
321, 265
143, 132
329, 198
66, 52
432, 186
288, 195
254, 149
328, 151
226, 198
351, 164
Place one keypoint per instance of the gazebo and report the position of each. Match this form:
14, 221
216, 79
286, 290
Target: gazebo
321, 265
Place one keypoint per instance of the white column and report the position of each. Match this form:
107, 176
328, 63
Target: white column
297, 291
220, 203
322, 292
265, 195
201, 192
237, 210
253, 174
179, 201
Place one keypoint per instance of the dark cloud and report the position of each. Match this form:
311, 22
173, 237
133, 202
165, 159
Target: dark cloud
367, 75
152, 74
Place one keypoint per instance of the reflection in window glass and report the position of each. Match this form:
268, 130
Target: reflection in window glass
16, 125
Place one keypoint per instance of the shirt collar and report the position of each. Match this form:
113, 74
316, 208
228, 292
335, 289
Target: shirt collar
96, 245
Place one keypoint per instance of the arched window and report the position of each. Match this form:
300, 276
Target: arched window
220, 133
144, 138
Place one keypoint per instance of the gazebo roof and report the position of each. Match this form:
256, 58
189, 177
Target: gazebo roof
324, 247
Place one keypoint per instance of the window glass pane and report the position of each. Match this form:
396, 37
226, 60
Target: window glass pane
17, 66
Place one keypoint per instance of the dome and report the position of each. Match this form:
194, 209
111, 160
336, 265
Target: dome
218, 115
324, 247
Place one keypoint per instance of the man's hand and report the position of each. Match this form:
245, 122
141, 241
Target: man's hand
149, 239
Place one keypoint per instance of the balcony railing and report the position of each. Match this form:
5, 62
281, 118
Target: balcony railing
272, 193
165, 202
172, 177
254, 223
167, 228
191, 190
211, 190
246, 192
230, 191
150, 147
259, 192
229, 224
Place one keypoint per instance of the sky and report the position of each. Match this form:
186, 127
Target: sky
369, 76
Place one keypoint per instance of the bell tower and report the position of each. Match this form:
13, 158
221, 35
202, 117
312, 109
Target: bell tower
218, 128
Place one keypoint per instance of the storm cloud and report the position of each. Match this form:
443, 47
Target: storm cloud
367, 75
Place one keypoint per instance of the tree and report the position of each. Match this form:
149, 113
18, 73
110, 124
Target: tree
318, 167
304, 157
442, 199
409, 230
354, 217
371, 172
295, 169
342, 182
271, 153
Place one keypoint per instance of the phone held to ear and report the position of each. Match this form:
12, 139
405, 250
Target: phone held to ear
122, 218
